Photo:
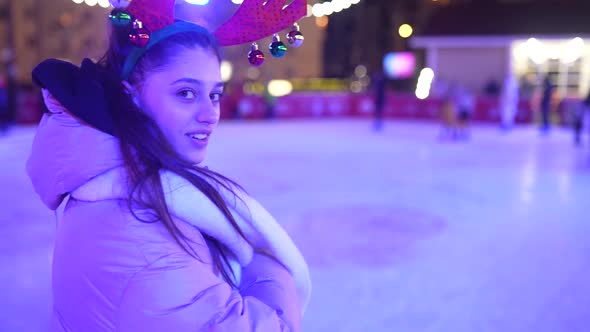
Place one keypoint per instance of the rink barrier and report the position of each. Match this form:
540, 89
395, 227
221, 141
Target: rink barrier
334, 105
328, 105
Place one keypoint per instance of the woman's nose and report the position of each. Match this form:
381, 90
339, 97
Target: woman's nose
208, 113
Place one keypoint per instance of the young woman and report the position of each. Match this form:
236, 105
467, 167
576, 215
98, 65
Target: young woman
150, 240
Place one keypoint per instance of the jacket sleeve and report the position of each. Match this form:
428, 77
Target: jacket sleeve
171, 295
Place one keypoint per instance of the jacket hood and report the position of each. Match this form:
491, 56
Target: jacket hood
66, 154
67, 150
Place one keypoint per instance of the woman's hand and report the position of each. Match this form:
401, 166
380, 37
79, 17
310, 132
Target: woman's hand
62, 114
52, 104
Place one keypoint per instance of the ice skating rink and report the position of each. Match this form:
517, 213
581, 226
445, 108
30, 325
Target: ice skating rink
402, 232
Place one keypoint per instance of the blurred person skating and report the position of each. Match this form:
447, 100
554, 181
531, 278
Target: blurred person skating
509, 102
465, 104
581, 113
548, 89
448, 112
379, 84
4, 107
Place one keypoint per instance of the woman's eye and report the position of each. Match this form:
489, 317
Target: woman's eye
216, 97
187, 94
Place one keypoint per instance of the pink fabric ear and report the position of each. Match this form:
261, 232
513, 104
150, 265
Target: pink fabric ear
256, 19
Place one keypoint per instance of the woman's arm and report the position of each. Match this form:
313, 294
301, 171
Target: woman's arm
169, 295
269, 281
259, 226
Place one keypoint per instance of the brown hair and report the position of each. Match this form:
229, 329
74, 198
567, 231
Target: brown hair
145, 150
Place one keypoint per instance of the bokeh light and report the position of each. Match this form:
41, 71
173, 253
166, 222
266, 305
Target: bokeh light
280, 88
405, 30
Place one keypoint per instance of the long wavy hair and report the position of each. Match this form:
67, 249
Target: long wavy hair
145, 150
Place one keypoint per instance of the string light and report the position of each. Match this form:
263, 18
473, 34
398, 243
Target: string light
330, 7
92, 3
322, 8
107, 4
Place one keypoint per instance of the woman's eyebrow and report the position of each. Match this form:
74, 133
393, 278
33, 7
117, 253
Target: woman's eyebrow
188, 80
220, 85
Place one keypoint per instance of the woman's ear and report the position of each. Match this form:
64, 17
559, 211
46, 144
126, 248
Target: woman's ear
130, 90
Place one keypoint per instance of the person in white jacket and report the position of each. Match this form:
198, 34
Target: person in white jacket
509, 102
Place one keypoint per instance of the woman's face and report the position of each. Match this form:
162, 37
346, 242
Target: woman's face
183, 98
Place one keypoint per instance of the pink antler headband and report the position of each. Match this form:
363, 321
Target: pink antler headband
255, 20
153, 21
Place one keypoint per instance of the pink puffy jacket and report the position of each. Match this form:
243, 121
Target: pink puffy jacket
112, 272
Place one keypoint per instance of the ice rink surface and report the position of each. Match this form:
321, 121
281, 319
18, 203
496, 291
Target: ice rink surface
402, 232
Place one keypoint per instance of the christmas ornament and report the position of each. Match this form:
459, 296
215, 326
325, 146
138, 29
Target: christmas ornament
295, 37
256, 57
140, 36
120, 17
277, 47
